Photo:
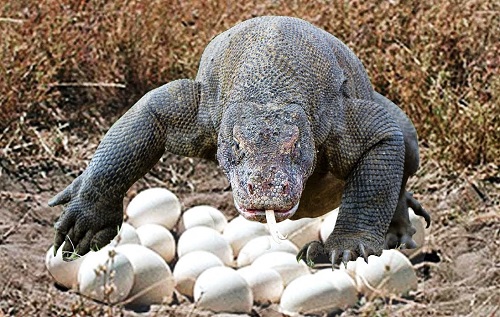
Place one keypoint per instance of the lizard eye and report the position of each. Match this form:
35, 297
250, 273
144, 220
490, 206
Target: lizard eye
296, 149
238, 153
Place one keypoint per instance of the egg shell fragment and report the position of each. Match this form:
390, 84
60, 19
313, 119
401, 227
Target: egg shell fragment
321, 293
158, 239
300, 231
203, 216
126, 235
328, 224
266, 284
154, 205
284, 263
106, 276
222, 289
207, 239
190, 266
153, 280
390, 273
64, 273
239, 231
260, 245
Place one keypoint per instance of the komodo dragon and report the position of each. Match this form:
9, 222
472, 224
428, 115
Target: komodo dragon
287, 110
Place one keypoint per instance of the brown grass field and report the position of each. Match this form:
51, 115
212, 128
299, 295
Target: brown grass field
69, 69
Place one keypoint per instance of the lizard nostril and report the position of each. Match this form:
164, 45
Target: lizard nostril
250, 188
285, 187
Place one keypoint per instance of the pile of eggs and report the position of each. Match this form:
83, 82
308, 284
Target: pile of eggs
225, 266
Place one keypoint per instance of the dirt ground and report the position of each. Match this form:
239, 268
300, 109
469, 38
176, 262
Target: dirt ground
459, 276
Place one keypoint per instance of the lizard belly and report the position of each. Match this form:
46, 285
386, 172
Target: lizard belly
321, 194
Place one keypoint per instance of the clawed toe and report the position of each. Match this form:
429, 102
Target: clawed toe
417, 208
312, 253
316, 252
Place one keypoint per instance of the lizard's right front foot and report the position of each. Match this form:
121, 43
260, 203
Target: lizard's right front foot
87, 221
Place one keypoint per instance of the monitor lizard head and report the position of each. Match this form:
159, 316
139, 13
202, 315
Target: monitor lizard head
267, 153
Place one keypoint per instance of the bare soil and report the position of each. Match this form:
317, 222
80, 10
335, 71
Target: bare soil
459, 273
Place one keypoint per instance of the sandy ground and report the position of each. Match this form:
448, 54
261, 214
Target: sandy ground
459, 273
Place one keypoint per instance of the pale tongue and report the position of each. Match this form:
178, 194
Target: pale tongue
273, 227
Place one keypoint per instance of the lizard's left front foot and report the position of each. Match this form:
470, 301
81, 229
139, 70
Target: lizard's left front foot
339, 248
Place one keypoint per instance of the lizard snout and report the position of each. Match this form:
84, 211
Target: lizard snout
256, 184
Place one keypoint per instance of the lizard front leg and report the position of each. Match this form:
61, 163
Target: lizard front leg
166, 118
368, 148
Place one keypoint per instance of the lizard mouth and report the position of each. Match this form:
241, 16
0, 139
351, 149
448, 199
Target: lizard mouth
260, 214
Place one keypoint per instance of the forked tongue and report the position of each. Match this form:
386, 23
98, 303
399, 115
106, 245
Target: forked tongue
273, 227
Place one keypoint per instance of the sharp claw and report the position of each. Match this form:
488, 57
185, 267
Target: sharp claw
310, 263
346, 257
333, 258
299, 255
309, 257
363, 252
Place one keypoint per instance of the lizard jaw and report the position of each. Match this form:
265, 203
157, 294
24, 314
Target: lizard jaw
260, 214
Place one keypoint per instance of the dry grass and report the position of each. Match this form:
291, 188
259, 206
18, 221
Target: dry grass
68, 69
80, 64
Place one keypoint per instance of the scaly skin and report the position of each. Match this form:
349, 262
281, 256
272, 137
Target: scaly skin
277, 102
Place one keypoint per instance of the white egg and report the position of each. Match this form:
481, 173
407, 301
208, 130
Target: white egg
260, 245
391, 273
300, 231
322, 293
328, 224
158, 239
154, 205
239, 231
64, 273
351, 267
106, 276
222, 289
190, 266
203, 216
266, 284
126, 235
284, 263
153, 280
207, 239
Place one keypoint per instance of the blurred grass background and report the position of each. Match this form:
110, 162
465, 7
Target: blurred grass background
78, 65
